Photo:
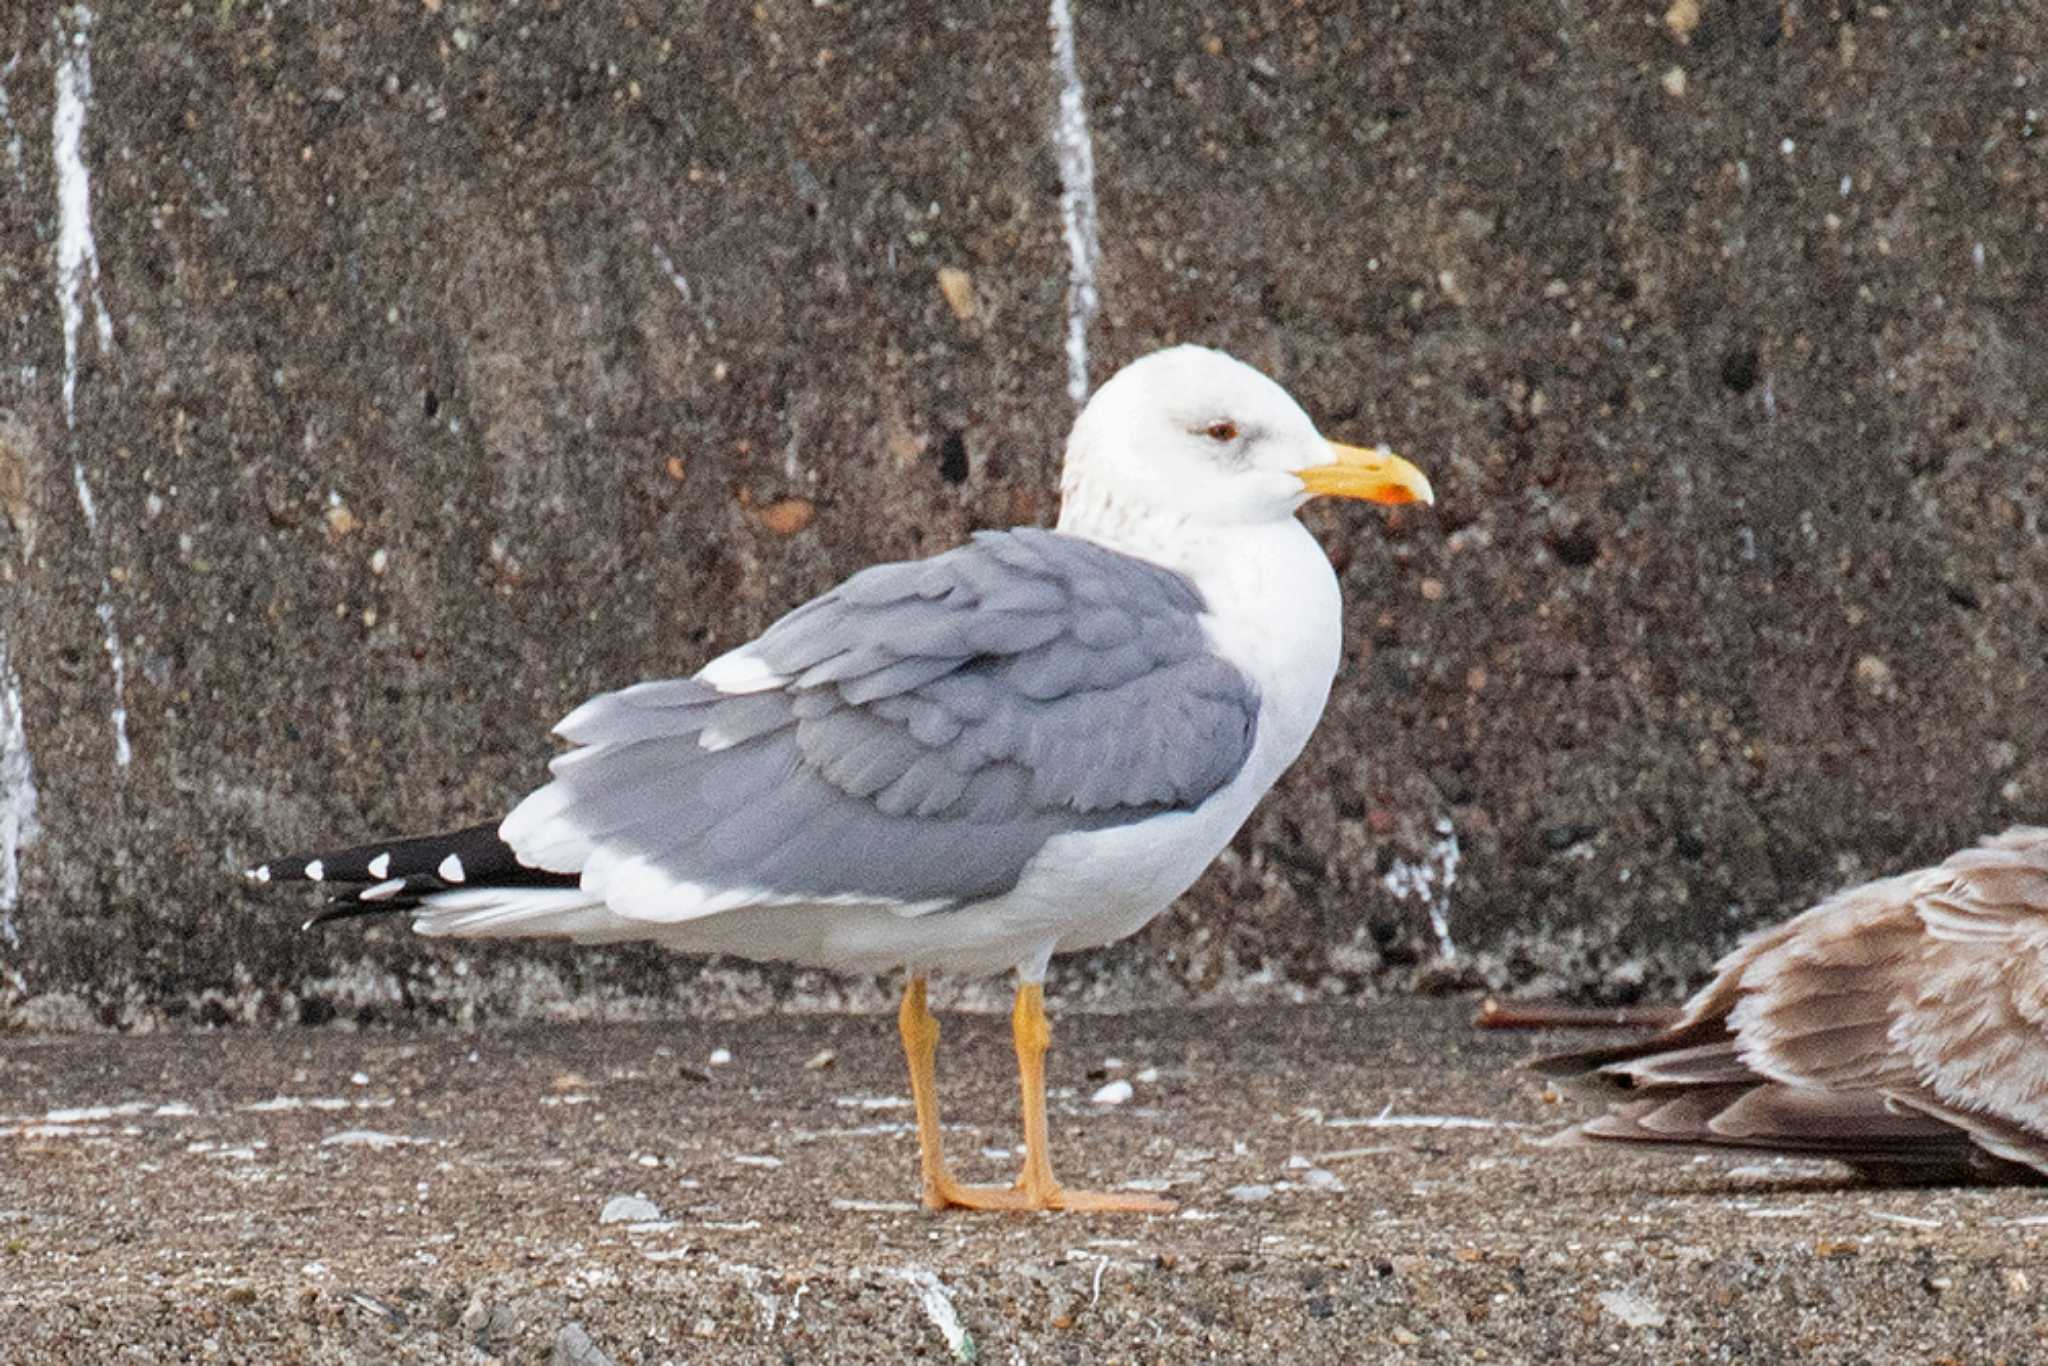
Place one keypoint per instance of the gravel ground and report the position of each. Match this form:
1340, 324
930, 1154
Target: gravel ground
1354, 1183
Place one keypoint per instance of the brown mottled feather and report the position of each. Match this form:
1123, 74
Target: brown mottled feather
1900, 1027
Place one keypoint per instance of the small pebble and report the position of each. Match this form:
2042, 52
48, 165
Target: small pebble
1250, 1195
1115, 1093
958, 288
628, 1209
720, 1057
573, 1345
340, 521
366, 1138
785, 516
1635, 1310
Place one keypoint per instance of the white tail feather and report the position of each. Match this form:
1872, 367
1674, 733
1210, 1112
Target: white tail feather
476, 912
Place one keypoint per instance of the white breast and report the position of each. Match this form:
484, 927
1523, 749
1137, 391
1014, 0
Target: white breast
1275, 612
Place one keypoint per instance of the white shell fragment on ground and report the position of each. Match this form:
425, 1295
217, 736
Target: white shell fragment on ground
629, 1209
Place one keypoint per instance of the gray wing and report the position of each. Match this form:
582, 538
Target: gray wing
910, 738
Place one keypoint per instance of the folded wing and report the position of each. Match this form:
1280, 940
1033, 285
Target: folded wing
909, 739
1900, 1027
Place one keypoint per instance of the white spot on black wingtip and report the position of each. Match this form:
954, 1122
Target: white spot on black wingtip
451, 869
260, 873
383, 891
380, 866
316, 871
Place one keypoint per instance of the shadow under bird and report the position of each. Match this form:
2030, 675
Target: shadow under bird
1900, 1027
1027, 745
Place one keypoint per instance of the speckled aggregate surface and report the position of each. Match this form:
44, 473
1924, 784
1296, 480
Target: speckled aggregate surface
1356, 1184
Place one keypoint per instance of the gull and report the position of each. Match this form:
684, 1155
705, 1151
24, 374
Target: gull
1900, 1027
1027, 745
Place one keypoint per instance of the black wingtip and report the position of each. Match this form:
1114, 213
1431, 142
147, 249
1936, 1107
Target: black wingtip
396, 876
346, 910
474, 853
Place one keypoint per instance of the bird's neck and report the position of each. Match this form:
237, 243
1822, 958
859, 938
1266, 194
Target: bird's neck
1095, 513
1214, 555
1270, 600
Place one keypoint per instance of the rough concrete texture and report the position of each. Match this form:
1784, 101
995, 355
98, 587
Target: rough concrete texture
382, 380
1356, 1184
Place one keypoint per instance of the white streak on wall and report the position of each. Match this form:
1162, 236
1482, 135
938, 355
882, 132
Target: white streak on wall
14, 161
112, 635
1077, 198
675, 277
18, 827
78, 258
17, 799
86, 505
78, 279
1430, 881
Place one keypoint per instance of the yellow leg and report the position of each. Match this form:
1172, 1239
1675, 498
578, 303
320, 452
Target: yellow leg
921, 1046
1036, 1189
1032, 1034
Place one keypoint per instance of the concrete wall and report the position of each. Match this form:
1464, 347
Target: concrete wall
379, 380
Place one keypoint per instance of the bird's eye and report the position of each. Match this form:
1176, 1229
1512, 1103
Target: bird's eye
1221, 431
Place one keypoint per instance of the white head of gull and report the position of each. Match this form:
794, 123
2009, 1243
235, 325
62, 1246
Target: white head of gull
1190, 442
1026, 745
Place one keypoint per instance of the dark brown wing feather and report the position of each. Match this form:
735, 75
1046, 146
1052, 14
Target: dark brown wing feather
1900, 1027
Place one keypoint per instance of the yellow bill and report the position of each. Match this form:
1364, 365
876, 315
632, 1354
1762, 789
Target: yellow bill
1378, 476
